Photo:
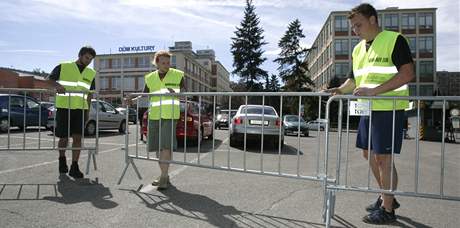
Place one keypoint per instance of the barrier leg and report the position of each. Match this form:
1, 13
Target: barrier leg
130, 161
328, 210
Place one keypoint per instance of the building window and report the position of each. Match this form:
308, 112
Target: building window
173, 60
426, 71
354, 42
341, 70
129, 83
408, 23
379, 16
116, 63
116, 83
144, 61
104, 64
392, 22
425, 21
426, 47
129, 62
412, 90
104, 83
426, 90
341, 24
140, 83
412, 45
341, 48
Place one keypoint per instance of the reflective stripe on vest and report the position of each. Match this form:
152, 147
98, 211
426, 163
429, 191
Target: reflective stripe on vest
374, 67
73, 81
164, 107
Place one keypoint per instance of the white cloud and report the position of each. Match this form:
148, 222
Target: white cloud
29, 51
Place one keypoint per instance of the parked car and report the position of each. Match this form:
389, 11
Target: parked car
109, 118
47, 104
221, 121
249, 119
193, 123
132, 116
15, 105
292, 125
314, 124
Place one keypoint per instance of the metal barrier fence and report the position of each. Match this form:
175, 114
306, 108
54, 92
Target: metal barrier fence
229, 159
333, 166
18, 109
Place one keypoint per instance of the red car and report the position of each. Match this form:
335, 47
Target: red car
192, 124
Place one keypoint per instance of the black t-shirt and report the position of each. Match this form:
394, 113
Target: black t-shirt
401, 54
56, 73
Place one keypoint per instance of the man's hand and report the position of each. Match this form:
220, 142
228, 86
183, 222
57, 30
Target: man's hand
60, 88
333, 91
171, 90
364, 91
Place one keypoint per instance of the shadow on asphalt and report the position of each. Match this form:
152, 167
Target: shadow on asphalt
401, 221
200, 207
82, 190
268, 149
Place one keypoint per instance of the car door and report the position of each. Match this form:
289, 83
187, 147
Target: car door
100, 112
111, 118
32, 112
17, 111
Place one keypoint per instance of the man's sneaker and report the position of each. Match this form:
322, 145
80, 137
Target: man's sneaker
376, 206
75, 171
157, 181
380, 216
63, 165
163, 183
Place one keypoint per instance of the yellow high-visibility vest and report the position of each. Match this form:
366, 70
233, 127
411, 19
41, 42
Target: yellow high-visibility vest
373, 67
168, 106
72, 80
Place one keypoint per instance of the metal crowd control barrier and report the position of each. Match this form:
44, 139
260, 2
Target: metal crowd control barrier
21, 110
340, 175
229, 158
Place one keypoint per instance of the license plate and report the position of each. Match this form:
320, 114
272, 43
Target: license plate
258, 122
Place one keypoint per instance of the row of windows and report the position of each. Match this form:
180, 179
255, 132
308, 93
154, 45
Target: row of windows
128, 62
129, 84
425, 45
197, 71
392, 21
341, 70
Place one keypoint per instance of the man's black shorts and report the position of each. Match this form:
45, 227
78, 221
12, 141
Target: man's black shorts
62, 121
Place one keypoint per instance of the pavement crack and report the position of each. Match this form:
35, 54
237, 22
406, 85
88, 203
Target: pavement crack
275, 203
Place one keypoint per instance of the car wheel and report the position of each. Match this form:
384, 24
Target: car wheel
233, 142
91, 128
122, 128
4, 125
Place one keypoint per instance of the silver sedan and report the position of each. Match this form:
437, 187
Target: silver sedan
255, 121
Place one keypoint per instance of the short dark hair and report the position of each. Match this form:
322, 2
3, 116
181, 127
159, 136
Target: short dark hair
87, 50
364, 9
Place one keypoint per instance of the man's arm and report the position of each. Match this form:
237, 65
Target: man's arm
347, 87
404, 76
54, 77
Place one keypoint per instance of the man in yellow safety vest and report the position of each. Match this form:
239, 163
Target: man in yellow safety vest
382, 65
72, 81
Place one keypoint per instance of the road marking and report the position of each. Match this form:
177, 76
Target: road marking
148, 188
55, 161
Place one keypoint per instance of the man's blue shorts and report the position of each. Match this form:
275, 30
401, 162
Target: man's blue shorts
381, 131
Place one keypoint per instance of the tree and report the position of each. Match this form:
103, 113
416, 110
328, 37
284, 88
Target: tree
272, 84
40, 72
291, 59
246, 49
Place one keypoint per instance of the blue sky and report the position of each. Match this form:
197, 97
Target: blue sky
42, 33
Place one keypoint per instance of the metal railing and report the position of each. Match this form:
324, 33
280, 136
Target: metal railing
338, 169
21, 110
232, 159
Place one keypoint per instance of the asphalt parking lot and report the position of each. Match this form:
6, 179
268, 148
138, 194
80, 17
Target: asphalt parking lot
33, 194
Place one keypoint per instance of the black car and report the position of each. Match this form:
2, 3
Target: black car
291, 125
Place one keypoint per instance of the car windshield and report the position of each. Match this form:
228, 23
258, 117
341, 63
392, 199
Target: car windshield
293, 119
258, 110
222, 116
